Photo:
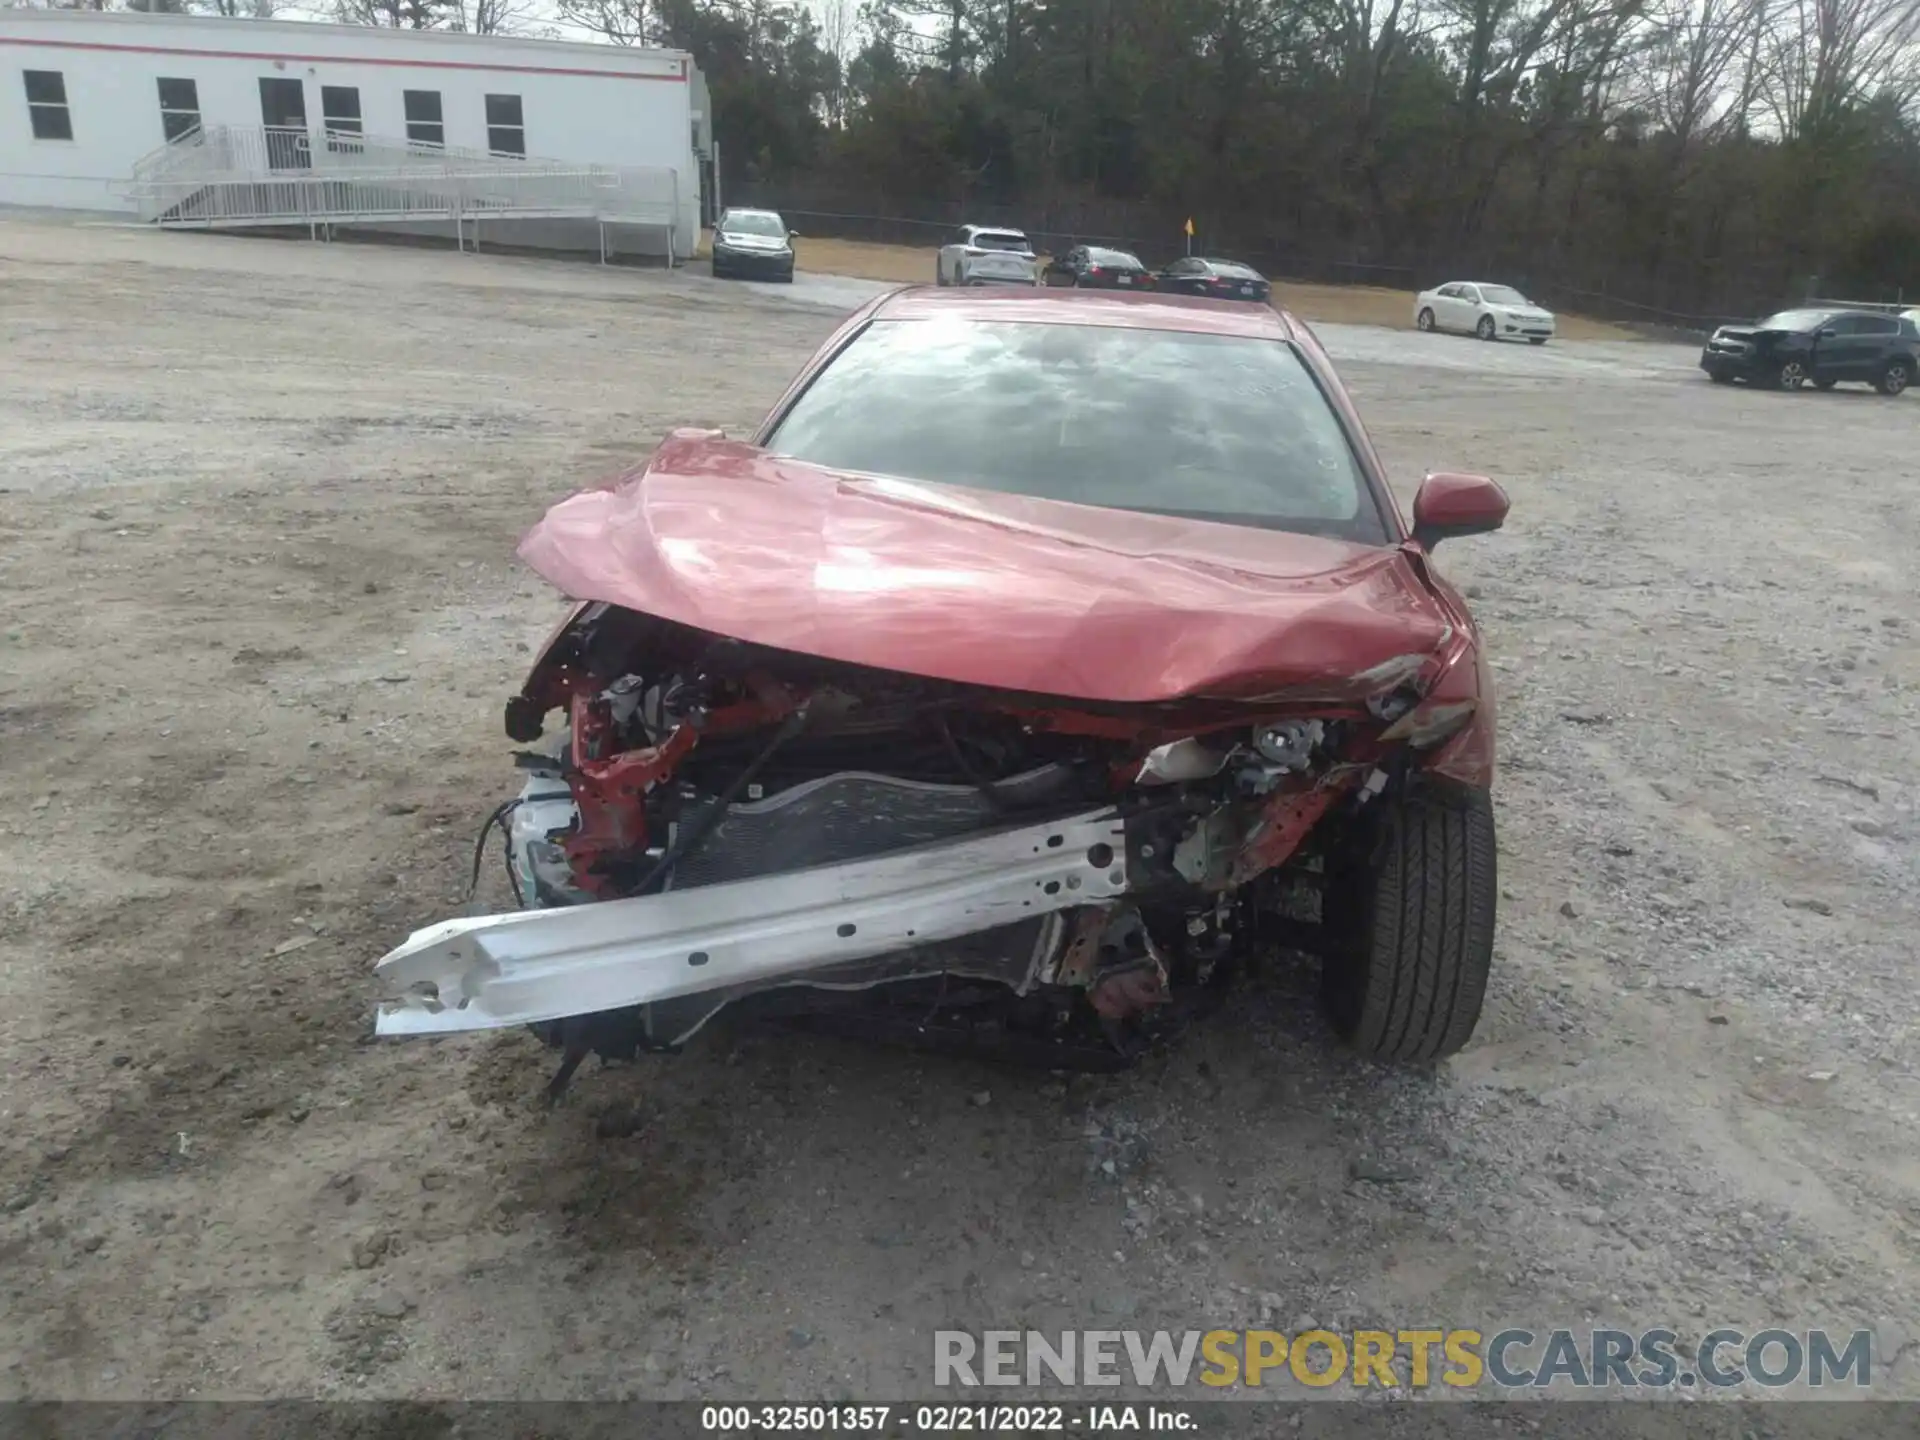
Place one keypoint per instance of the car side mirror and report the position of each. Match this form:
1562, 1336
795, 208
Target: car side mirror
1448, 506
793, 234
1826, 334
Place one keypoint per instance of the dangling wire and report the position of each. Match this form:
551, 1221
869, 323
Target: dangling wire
498, 817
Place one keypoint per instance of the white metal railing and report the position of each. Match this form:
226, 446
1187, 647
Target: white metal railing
257, 175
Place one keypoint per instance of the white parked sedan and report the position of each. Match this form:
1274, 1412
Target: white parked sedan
1493, 312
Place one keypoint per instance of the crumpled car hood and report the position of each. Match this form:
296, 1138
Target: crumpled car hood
983, 588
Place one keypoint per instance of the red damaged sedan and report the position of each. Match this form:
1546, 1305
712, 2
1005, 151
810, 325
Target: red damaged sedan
1042, 663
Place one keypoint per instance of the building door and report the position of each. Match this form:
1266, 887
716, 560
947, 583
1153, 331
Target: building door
283, 110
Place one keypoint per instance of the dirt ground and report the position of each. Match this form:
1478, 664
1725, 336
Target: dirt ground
1336, 304
258, 503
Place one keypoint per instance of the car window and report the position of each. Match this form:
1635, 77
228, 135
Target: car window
1844, 325
1000, 240
1115, 259
1795, 320
1234, 270
1502, 295
1875, 325
1468, 292
753, 222
1186, 267
1212, 427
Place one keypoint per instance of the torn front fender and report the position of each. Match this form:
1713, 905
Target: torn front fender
535, 965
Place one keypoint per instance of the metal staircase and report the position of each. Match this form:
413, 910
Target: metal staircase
233, 176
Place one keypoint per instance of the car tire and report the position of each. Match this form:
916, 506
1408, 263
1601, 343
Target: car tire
1485, 328
1825, 384
1895, 378
1414, 919
1719, 377
1424, 320
1536, 339
1790, 375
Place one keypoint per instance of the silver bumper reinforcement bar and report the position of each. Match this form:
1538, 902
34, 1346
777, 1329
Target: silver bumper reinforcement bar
528, 966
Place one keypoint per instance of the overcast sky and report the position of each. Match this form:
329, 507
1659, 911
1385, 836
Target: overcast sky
546, 15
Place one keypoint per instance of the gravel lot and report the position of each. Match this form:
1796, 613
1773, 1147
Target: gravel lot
259, 507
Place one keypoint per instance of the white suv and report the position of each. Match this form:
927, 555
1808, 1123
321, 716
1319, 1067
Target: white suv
986, 255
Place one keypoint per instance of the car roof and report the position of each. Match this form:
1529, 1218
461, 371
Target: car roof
996, 230
1090, 307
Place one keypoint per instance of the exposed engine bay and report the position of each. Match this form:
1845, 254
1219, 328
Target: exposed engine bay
720, 825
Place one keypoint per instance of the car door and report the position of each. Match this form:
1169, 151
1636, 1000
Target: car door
1837, 347
1446, 302
1877, 334
1828, 357
1065, 269
1466, 308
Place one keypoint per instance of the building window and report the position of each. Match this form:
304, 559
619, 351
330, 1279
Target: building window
340, 117
506, 129
424, 124
179, 108
47, 104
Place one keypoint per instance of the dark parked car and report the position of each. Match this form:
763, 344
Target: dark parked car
1091, 267
1216, 279
1819, 347
752, 245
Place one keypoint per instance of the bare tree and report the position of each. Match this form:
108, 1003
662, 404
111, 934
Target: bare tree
496, 17
1701, 81
624, 22
393, 14
1824, 58
840, 38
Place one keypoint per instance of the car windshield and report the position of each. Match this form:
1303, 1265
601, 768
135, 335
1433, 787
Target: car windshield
1502, 295
1208, 427
1115, 259
1234, 270
1795, 320
1000, 240
754, 222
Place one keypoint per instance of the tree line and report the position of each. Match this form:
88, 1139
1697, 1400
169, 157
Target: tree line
1699, 157
1705, 157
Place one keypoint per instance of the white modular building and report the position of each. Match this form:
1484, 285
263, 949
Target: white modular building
191, 121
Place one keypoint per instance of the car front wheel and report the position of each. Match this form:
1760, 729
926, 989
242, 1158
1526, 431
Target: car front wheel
1894, 379
1414, 919
1791, 375
1485, 328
